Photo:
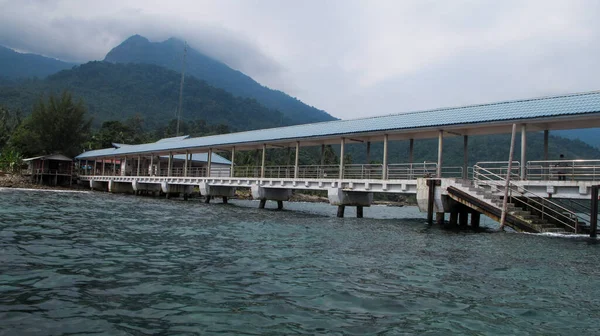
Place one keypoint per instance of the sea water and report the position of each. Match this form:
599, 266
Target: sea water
97, 263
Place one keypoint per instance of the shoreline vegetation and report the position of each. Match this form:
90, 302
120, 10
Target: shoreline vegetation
20, 182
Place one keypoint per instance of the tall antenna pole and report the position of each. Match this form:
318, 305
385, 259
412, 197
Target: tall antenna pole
179, 109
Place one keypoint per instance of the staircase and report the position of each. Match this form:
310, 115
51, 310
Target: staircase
519, 219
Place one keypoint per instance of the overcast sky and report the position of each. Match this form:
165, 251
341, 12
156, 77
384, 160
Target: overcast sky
350, 58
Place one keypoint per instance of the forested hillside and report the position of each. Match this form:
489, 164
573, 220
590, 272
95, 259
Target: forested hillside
18, 65
138, 49
119, 91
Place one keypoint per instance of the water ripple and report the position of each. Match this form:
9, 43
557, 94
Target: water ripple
87, 263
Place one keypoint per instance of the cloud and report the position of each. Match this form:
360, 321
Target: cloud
352, 58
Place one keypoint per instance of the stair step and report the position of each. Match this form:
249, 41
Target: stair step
522, 213
553, 230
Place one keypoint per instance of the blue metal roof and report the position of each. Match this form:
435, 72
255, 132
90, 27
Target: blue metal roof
566, 105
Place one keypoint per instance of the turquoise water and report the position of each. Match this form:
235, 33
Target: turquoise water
85, 263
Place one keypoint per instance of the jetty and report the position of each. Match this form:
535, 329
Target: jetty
537, 193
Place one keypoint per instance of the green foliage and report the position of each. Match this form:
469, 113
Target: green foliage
138, 49
121, 91
9, 121
56, 126
10, 161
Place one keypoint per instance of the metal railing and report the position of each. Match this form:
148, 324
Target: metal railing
566, 170
351, 171
64, 171
545, 207
497, 170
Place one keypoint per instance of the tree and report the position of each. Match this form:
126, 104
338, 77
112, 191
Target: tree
9, 121
56, 126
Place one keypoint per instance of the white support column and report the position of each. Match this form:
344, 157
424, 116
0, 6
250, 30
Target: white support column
232, 169
523, 152
262, 164
139, 162
322, 154
95, 165
86, 167
465, 173
297, 160
342, 145
440, 153
384, 166
546, 136
151, 164
209, 162
170, 164
185, 164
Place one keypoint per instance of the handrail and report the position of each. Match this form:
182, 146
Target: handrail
543, 204
573, 170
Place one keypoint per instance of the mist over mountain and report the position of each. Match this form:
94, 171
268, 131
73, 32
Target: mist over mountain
18, 65
169, 54
119, 91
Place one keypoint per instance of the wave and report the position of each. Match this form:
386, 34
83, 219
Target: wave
45, 190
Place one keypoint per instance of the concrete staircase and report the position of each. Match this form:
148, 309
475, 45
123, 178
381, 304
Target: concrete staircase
517, 218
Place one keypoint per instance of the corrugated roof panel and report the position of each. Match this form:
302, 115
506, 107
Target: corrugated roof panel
572, 104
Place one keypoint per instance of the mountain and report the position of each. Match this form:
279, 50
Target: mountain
118, 91
17, 65
138, 49
590, 136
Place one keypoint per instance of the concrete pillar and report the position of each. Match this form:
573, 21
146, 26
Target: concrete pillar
209, 162
86, 167
114, 166
465, 173
384, 166
340, 211
94, 172
151, 164
139, 162
546, 136
463, 218
262, 162
411, 150
297, 160
342, 145
440, 153
368, 152
185, 164
453, 218
439, 218
158, 166
475, 218
232, 169
523, 152
103, 164
170, 164
322, 154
